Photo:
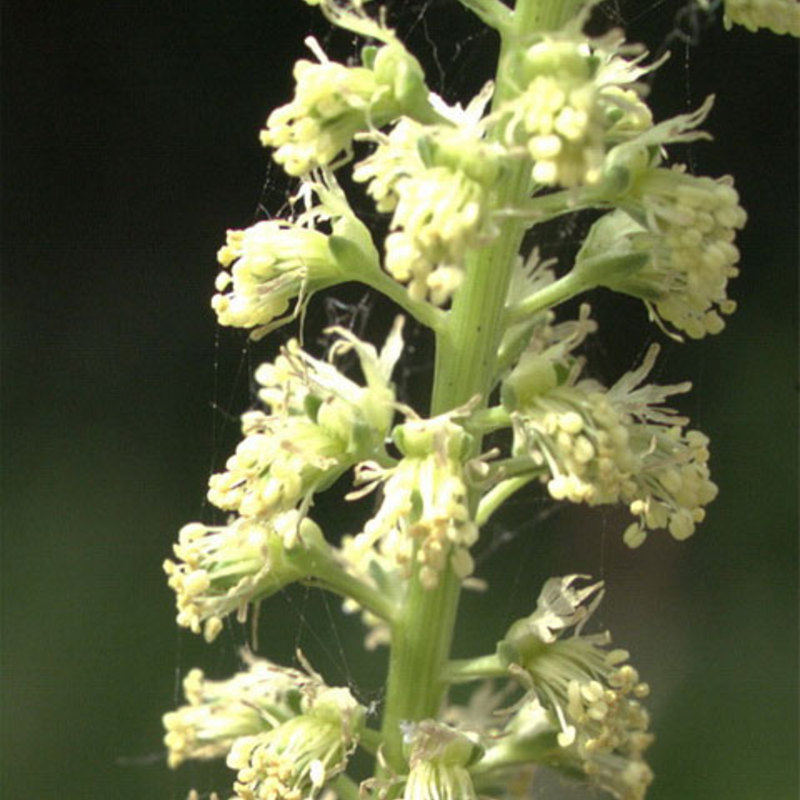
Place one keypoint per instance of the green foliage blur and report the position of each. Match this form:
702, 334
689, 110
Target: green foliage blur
130, 144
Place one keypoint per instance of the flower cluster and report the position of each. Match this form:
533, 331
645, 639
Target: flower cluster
581, 689
436, 181
462, 186
687, 225
572, 104
284, 731
600, 446
333, 102
423, 519
779, 16
319, 423
220, 712
297, 758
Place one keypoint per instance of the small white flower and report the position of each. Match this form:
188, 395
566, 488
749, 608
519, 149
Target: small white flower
222, 570
438, 761
219, 712
599, 446
424, 518
295, 759
561, 605
586, 691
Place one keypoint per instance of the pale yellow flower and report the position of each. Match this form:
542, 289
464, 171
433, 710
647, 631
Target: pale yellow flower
575, 99
333, 102
295, 760
438, 758
687, 225
219, 712
435, 180
423, 519
222, 570
582, 689
600, 446
319, 424
267, 266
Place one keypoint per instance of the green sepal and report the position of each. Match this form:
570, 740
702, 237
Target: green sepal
368, 53
617, 180
520, 646
362, 440
507, 653
611, 270
311, 404
350, 258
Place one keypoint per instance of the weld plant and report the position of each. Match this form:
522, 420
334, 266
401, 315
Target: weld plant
563, 127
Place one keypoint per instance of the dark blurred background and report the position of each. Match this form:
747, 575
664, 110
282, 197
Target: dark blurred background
130, 144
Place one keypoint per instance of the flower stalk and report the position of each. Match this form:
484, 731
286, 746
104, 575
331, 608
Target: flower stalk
466, 364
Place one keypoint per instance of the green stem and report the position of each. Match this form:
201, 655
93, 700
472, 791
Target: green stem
358, 260
492, 12
463, 670
425, 313
421, 640
549, 206
493, 499
588, 274
516, 466
370, 740
489, 419
553, 294
328, 574
513, 751
466, 365
544, 15
346, 788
